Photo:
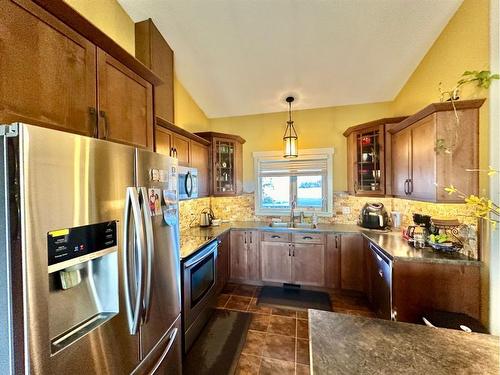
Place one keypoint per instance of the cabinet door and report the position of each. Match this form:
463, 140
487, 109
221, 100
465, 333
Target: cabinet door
253, 256
199, 160
401, 147
332, 261
125, 104
276, 261
238, 256
182, 148
223, 261
423, 160
223, 167
163, 141
154, 52
47, 71
308, 264
352, 265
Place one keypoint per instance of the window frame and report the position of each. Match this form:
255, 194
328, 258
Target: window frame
305, 154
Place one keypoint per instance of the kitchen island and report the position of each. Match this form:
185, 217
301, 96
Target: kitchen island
346, 344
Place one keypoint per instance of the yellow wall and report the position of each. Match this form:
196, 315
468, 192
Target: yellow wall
463, 45
316, 128
111, 18
187, 113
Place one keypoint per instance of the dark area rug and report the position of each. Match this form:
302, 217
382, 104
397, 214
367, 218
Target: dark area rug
295, 298
217, 350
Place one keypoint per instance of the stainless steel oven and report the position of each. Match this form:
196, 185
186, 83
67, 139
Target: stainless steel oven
188, 182
199, 291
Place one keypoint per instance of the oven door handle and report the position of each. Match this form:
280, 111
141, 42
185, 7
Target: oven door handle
132, 205
150, 252
194, 262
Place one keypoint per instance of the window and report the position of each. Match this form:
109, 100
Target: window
306, 180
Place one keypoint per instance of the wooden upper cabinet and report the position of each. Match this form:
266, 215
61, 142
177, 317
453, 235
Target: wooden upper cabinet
152, 49
182, 149
47, 70
401, 154
125, 104
163, 141
226, 169
366, 157
200, 161
421, 169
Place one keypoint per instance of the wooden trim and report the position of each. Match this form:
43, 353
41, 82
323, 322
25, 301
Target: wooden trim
174, 128
374, 123
80, 24
209, 135
437, 107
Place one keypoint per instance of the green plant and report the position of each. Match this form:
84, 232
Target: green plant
482, 79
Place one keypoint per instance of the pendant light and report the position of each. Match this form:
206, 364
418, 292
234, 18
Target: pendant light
290, 136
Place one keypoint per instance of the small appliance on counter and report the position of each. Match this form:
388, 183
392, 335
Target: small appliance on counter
206, 217
373, 216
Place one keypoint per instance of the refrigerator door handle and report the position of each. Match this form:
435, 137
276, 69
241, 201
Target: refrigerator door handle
132, 205
171, 341
150, 251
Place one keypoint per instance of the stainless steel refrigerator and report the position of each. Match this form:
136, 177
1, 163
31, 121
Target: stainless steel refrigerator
90, 270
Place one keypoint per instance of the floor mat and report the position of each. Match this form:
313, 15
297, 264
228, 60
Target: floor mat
218, 348
295, 298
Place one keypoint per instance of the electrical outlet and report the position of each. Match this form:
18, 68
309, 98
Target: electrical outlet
346, 210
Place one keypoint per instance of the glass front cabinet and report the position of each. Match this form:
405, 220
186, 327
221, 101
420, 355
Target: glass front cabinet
368, 158
226, 163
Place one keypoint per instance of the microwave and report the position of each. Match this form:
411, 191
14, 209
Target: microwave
188, 182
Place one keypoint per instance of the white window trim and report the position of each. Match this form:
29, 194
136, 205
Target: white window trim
304, 154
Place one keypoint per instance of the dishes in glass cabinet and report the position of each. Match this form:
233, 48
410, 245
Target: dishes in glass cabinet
366, 141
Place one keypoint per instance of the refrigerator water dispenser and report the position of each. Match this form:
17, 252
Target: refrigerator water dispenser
83, 281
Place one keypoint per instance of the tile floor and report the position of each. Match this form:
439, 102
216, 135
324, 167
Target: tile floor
278, 339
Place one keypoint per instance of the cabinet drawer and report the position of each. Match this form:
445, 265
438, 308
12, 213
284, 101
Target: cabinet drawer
308, 238
275, 237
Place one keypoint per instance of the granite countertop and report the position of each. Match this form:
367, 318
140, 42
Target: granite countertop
395, 247
347, 344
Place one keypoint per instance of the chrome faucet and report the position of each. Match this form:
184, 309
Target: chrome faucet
292, 213
302, 217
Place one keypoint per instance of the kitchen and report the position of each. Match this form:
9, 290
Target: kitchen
183, 191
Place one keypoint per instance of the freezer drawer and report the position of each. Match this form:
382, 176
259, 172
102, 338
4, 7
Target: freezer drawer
166, 355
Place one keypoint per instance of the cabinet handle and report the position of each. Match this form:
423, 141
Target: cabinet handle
293, 250
245, 238
407, 189
251, 237
410, 186
93, 116
105, 118
307, 238
289, 249
275, 236
170, 151
175, 152
336, 242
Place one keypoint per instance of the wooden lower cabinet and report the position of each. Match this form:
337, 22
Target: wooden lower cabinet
332, 261
352, 262
308, 264
223, 261
276, 262
244, 257
47, 71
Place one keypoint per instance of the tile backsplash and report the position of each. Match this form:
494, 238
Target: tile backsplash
242, 208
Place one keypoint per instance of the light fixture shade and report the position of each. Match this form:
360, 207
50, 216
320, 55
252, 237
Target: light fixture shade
290, 145
290, 141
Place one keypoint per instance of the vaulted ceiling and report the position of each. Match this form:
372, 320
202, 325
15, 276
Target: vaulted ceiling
239, 57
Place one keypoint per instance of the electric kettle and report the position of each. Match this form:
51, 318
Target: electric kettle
206, 217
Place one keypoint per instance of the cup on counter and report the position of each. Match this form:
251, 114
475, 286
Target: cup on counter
396, 219
216, 222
